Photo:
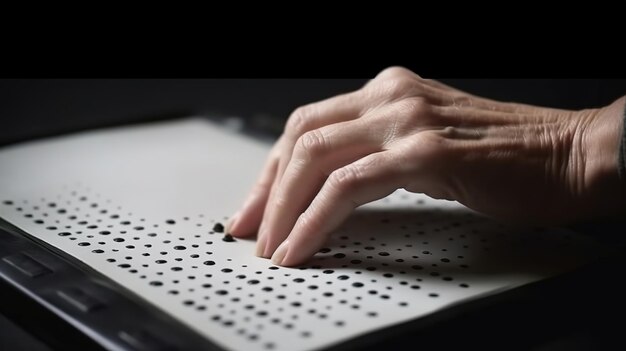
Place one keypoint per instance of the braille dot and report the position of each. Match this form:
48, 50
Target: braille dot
253, 282
8, 202
298, 280
221, 292
383, 253
118, 240
156, 283
84, 243
357, 284
328, 271
228, 238
312, 287
65, 234
177, 269
97, 251
463, 285
218, 227
227, 270
339, 255
417, 267
180, 247
124, 265
433, 295
170, 221
209, 263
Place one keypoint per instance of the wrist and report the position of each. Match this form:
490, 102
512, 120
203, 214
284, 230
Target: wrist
604, 189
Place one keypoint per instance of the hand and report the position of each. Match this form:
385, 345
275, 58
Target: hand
510, 161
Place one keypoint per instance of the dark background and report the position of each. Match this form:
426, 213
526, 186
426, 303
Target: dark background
34, 108
581, 319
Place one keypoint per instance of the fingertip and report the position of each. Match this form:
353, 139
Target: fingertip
280, 253
260, 246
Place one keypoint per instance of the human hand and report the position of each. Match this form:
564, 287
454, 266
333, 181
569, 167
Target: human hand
510, 161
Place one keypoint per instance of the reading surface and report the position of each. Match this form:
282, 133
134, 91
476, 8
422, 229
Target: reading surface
143, 205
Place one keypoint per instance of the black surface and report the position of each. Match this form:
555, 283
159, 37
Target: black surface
574, 314
32, 108
72, 306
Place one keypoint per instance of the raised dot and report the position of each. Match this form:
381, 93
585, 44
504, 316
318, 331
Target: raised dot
357, 284
156, 283
209, 263
180, 247
218, 227
228, 238
98, 251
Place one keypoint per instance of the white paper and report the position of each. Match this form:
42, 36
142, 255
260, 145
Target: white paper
196, 174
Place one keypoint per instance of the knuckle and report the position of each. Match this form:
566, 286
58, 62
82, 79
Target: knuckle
395, 71
394, 88
346, 178
311, 144
300, 120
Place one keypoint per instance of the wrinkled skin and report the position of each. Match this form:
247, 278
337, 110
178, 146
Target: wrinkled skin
510, 161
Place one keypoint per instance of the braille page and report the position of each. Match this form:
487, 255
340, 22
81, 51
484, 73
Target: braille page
144, 205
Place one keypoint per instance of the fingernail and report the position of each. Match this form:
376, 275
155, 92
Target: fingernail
260, 245
232, 222
280, 253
